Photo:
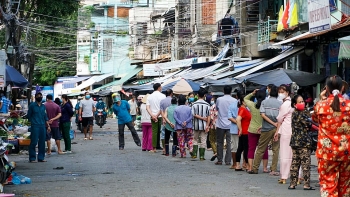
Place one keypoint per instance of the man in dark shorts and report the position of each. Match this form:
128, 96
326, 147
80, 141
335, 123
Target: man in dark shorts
54, 113
86, 114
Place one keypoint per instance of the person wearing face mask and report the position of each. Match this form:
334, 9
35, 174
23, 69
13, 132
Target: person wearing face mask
301, 143
101, 105
121, 109
284, 132
191, 99
37, 116
86, 114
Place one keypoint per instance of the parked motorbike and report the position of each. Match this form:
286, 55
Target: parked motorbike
313, 132
100, 120
6, 167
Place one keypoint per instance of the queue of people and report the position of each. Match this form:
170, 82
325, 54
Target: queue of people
246, 123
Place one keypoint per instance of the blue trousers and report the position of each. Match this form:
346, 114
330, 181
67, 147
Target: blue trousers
37, 136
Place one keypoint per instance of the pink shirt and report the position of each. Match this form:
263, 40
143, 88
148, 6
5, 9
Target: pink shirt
285, 117
52, 110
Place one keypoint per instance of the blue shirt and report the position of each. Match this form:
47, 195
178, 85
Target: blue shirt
222, 105
122, 112
5, 105
182, 114
233, 113
37, 114
101, 105
77, 106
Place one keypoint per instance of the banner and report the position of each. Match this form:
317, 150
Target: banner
3, 58
319, 15
333, 5
333, 52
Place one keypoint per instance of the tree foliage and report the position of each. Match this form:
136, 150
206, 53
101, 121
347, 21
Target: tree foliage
48, 29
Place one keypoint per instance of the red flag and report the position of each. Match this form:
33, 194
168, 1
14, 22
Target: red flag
286, 16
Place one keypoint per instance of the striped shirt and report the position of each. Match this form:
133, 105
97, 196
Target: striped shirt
200, 108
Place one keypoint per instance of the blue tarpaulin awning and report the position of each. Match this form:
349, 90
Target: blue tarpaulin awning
71, 83
274, 61
15, 78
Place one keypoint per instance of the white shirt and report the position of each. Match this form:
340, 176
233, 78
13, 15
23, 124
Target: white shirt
145, 117
133, 106
153, 101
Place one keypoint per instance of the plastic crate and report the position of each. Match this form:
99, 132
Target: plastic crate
24, 142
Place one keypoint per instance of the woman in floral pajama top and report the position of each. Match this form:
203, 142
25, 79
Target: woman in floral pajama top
333, 115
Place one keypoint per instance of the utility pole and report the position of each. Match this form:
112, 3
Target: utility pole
16, 51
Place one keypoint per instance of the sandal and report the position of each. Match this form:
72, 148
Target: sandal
213, 158
272, 173
90, 138
291, 187
252, 172
281, 181
309, 188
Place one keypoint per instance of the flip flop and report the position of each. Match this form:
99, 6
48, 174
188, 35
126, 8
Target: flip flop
239, 169
309, 188
274, 174
291, 187
85, 138
90, 138
266, 171
33, 161
48, 153
42, 161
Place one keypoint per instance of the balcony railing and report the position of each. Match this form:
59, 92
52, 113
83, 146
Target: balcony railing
267, 30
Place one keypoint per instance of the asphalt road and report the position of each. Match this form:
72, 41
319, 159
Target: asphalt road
98, 168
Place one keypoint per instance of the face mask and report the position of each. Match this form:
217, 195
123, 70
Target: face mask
267, 92
191, 99
212, 102
281, 96
87, 96
38, 99
116, 99
100, 101
300, 106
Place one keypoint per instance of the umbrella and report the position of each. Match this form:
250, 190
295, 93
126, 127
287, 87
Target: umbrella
15, 78
184, 87
283, 76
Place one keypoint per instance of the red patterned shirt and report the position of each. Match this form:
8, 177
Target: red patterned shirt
334, 130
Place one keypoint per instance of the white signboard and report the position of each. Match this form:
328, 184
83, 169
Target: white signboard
173, 64
149, 70
319, 15
94, 62
3, 58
